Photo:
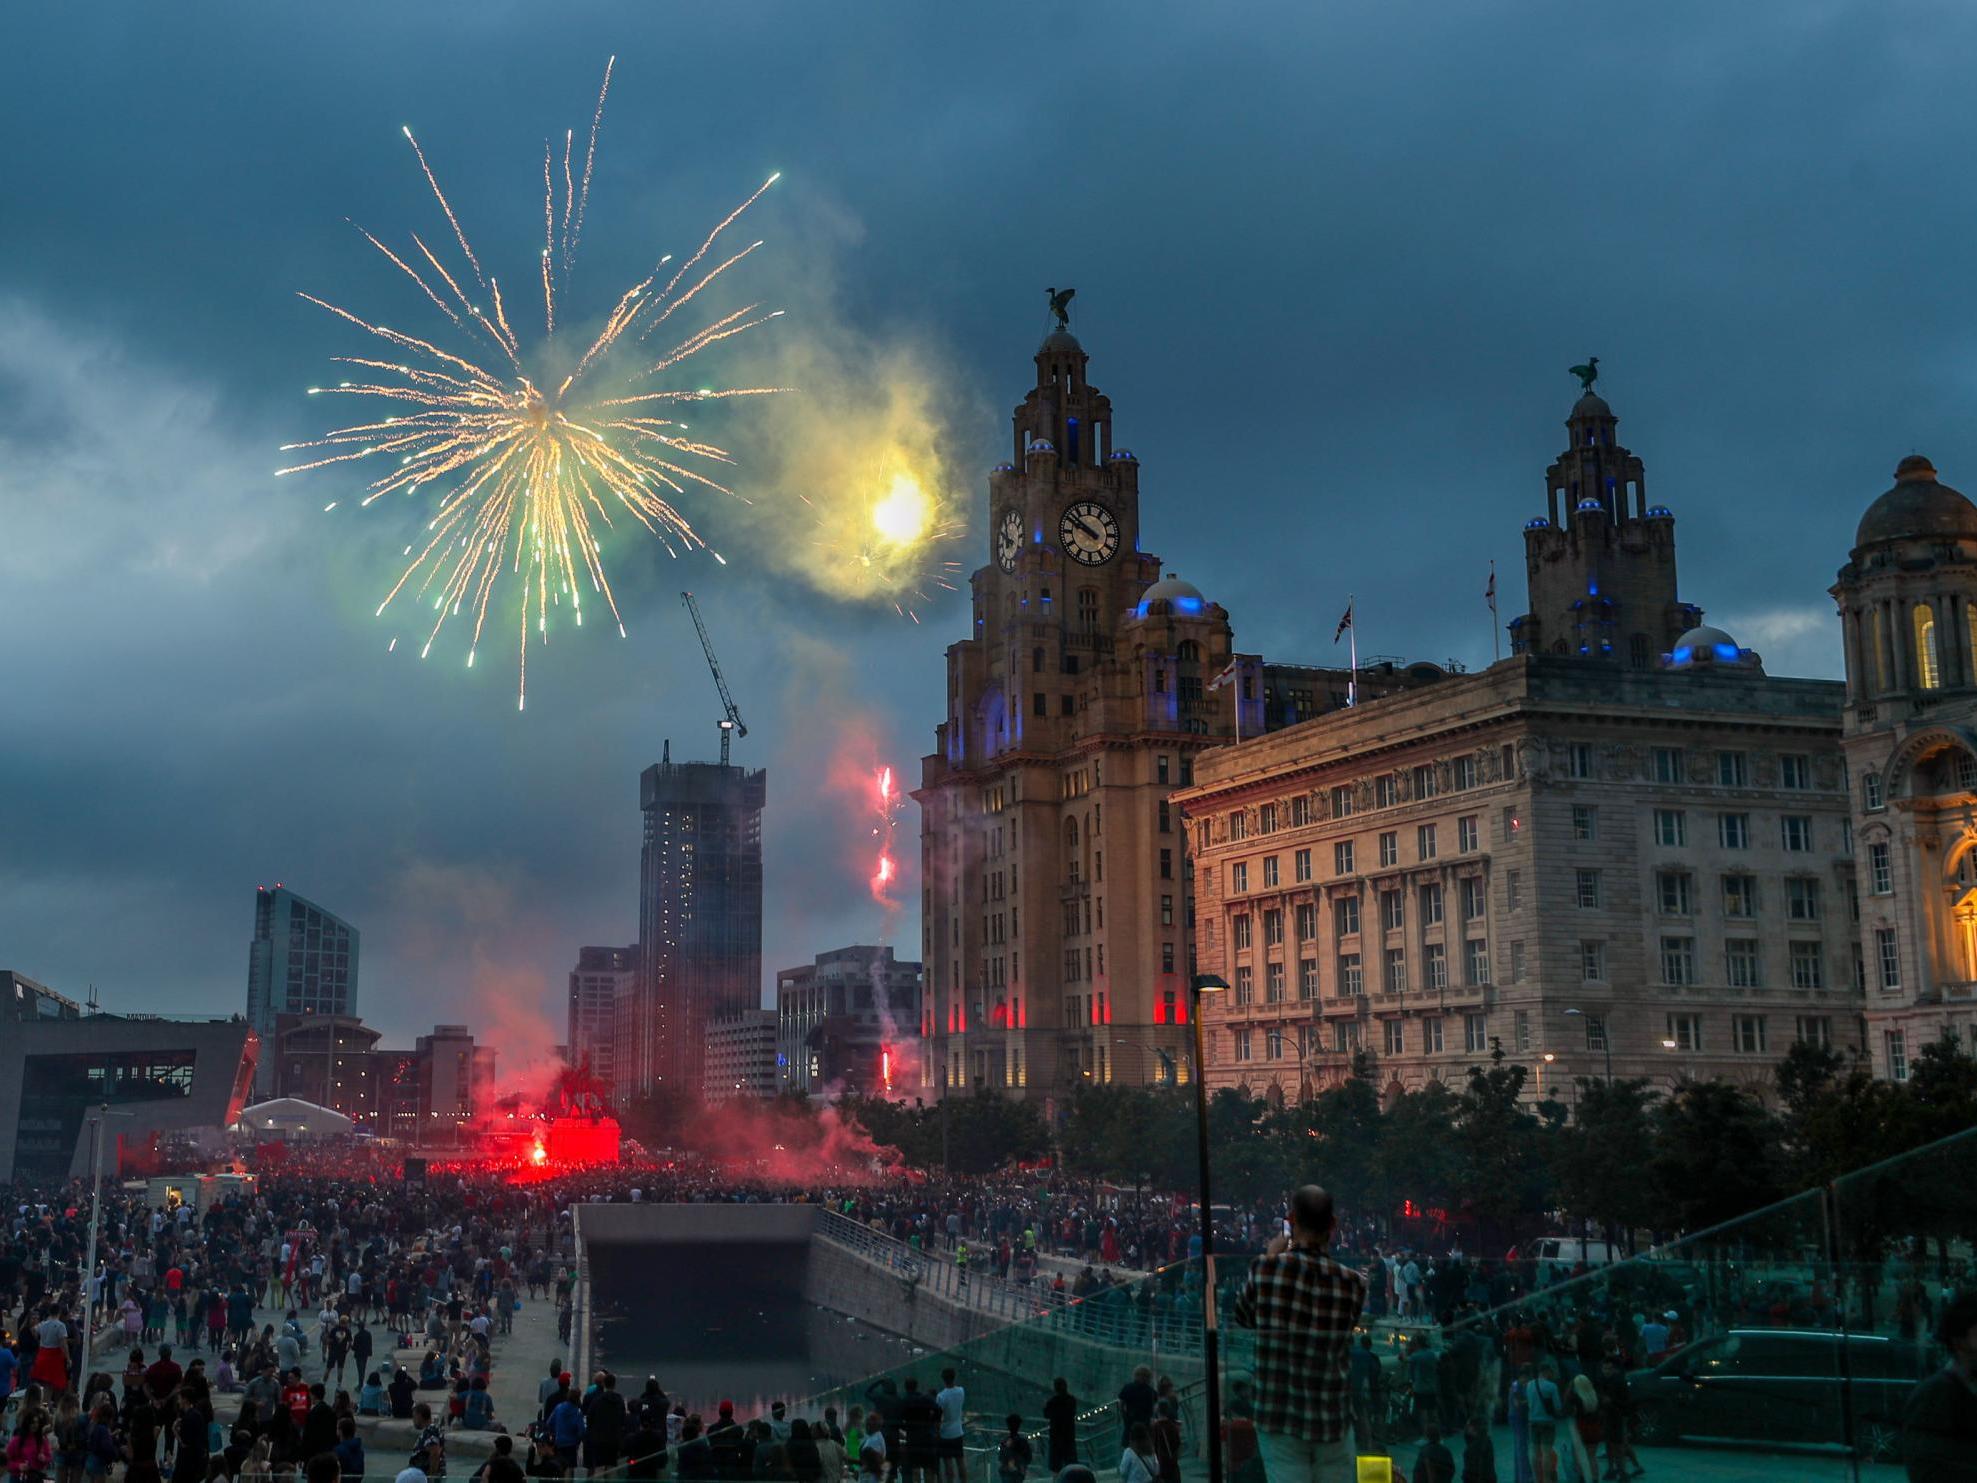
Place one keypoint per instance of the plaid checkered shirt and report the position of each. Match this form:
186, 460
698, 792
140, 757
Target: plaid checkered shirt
1303, 1306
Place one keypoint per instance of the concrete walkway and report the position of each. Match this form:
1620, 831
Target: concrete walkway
1701, 1464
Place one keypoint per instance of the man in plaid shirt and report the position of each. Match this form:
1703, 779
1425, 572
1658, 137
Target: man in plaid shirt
1303, 1306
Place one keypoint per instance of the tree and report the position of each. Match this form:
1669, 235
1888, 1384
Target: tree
1501, 1169
1715, 1155
1344, 1122
1603, 1155
1417, 1151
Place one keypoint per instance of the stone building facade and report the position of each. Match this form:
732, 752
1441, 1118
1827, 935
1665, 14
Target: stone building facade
1908, 608
1056, 902
1625, 849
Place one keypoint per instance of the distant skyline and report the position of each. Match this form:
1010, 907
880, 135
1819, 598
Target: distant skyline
1331, 270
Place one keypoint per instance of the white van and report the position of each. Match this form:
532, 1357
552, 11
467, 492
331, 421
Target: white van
1567, 1252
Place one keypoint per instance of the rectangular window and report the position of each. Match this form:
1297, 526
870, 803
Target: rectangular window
1245, 988
1243, 1043
1350, 983
1814, 1029
1300, 810
1238, 825
1345, 915
1166, 865
1668, 765
1889, 953
1307, 922
1273, 983
1342, 801
1394, 965
1870, 792
1476, 962
1424, 842
1266, 819
1739, 895
1686, 1031
1732, 769
1521, 1028
1468, 834
1795, 771
1166, 956
1678, 961
1239, 932
1671, 828
1390, 848
1396, 1040
1897, 1043
1386, 791
1675, 893
1475, 897
1238, 877
1588, 888
1880, 870
1166, 911
1160, 769
1431, 1036
1431, 905
1307, 978
1464, 770
1808, 966
1273, 1045
1270, 875
1740, 967
1579, 759
1592, 962
1513, 893
1585, 823
1434, 962
1475, 1033
1342, 857
1733, 830
1517, 961
1273, 928
1748, 1030
1426, 784
1393, 911
1797, 831
1301, 866
1802, 899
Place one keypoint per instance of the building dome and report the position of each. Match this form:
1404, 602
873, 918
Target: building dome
1041, 445
1917, 507
1060, 340
1706, 646
1592, 404
1177, 595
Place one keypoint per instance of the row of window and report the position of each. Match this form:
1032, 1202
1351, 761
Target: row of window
1429, 1036
1472, 899
1349, 980
1345, 855
1675, 894
1733, 830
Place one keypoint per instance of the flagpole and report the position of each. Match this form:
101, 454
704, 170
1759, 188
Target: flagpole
1352, 684
1235, 685
1496, 627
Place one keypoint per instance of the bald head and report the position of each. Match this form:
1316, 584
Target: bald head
1311, 1212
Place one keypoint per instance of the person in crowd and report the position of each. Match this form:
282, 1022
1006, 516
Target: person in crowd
1433, 1463
1303, 1305
349, 1451
1939, 1423
953, 1402
1060, 1415
1013, 1453
1137, 1463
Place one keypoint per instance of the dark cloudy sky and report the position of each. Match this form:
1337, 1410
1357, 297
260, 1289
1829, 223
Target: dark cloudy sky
1331, 261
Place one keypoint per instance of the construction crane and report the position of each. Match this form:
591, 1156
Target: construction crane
731, 724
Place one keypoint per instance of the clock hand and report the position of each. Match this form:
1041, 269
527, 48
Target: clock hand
1098, 531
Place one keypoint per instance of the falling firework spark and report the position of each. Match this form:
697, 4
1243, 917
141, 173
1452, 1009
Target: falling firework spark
530, 471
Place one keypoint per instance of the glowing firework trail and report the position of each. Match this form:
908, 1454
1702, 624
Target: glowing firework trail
886, 548
529, 470
885, 804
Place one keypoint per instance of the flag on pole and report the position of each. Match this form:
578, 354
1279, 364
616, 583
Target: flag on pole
1226, 677
1489, 592
1344, 623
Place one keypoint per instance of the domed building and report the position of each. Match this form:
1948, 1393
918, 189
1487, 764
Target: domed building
1908, 613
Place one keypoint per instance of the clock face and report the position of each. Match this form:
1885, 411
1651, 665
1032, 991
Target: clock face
1089, 533
1009, 539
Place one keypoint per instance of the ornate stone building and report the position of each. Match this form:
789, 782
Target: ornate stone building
1908, 609
1599, 864
1056, 903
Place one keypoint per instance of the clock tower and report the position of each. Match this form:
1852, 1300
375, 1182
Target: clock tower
1056, 904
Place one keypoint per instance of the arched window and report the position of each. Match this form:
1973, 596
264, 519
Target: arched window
1190, 651
1927, 672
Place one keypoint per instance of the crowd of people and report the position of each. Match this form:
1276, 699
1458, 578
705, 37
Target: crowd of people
262, 1336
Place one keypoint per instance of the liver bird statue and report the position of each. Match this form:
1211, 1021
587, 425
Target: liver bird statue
1060, 305
1587, 374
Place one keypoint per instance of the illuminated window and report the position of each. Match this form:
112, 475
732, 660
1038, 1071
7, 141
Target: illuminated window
1927, 673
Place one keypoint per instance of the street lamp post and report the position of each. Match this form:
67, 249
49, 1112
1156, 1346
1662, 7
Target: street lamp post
1605, 1040
1207, 983
103, 1116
